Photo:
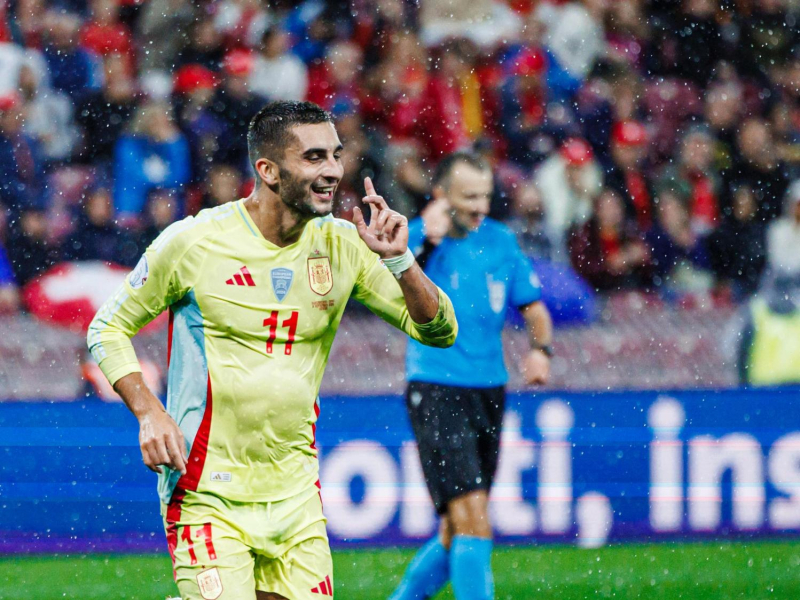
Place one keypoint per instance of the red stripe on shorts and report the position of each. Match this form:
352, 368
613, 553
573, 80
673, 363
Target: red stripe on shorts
314, 425
173, 517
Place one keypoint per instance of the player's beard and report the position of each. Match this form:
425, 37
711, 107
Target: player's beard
296, 194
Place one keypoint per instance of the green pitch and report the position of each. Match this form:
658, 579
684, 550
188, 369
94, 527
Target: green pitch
721, 570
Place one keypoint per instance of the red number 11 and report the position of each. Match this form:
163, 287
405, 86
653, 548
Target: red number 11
272, 323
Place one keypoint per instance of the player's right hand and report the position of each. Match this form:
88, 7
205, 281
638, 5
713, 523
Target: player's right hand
436, 217
162, 442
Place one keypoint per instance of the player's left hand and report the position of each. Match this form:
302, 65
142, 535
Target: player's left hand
387, 232
535, 367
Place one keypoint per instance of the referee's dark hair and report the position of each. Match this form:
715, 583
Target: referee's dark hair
270, 130
441, 176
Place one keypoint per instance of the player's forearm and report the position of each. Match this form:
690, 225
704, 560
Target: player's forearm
137, 396
539, 324
420, 293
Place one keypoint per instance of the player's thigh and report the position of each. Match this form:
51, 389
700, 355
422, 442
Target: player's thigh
447, 441
211, 562
491, 404
303, 572
436, 410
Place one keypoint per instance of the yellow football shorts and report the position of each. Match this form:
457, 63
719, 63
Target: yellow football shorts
228, 550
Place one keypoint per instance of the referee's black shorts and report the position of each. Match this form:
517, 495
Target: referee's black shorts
458, 433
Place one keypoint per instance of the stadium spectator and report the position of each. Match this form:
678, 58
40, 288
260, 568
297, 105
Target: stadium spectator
30, 250
406, 178
698, 41
783, 236
12, 59
48, 116
768, 36
104, 33
9, 293
134, 238
398, 85
206, 133
161, 211
677, 252
568, 181
486, 23
95, 236
723, 111
786, 130
153, 154
523, 105
235, 105
769, 341
737, 248
561, 84
440, 124
104, 114
337, 80
627, 175
241, 22
626, 32
162, 32
756, 164
608, 250
205, 46
20, 166
73, 70
359, 158
30, 22
574, 33
530, 223
693, 178
312, 27
223, 184
277, 73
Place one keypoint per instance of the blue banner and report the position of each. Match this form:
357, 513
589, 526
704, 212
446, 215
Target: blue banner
574, 468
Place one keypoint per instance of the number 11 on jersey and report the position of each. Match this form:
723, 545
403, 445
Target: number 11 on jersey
290, 323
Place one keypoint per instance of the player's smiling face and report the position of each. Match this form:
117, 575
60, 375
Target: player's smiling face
312, 169
469, 192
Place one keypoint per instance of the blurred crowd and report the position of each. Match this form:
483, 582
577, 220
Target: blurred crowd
646, 144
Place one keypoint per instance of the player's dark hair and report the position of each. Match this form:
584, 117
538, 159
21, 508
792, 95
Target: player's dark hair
270, 130
441, 176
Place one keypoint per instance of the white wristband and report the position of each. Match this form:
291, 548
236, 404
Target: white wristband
400, 264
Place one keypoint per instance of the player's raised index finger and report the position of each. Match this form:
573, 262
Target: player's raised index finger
369, 187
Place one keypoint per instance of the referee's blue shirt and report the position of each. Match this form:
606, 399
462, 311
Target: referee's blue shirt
482, 274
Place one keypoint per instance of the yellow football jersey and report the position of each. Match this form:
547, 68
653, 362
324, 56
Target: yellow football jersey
251, 325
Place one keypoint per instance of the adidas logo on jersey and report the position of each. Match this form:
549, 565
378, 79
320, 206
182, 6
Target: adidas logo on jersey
324, 588
243, 277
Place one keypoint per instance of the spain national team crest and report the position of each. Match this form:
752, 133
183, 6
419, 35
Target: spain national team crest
210, 584
320, 276
281, 282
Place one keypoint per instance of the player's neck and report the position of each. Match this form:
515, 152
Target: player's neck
277, 222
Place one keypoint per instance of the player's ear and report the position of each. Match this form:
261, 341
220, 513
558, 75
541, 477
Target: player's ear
268, 171
438, 192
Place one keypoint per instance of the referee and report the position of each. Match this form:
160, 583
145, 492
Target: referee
456, 397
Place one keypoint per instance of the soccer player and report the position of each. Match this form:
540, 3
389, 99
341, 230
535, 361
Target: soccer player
455, 397
255, 291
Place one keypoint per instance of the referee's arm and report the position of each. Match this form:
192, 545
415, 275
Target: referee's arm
535, 365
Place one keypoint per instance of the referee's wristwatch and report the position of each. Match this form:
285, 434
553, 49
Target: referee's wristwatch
546, 348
